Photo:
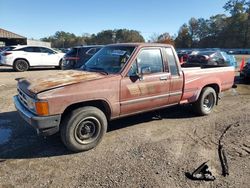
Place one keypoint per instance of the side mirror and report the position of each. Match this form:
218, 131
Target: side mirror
145, 70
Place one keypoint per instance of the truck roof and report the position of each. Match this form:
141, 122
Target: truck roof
141, 44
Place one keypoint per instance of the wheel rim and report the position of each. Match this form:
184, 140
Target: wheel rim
208, 102
87, 130
22, 65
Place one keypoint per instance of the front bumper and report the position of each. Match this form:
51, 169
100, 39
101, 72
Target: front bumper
45, 125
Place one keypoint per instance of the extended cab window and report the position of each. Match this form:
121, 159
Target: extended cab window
171, 62
148, 59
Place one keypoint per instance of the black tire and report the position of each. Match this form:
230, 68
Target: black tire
83, 129
206, 102
21, 65
60, 66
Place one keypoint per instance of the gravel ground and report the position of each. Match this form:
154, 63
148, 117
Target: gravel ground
139, 151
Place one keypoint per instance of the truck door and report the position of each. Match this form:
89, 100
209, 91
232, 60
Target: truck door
176, 86
147, 84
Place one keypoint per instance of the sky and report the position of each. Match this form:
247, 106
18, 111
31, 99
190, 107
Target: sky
41, 18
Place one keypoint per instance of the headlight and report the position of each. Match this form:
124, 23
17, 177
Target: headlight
39, 107
31, 104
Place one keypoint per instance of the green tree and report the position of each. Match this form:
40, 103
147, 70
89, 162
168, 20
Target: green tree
116, 36
220, 30
193, 26
63, 39
236, 34
164, 38
184, 39
125, 35
103, 37
237, 6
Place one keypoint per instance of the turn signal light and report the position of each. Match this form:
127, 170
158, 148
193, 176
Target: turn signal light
42, 108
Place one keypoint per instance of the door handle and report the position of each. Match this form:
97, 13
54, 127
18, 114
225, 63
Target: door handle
163, 78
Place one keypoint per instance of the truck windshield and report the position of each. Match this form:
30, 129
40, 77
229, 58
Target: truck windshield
110, 59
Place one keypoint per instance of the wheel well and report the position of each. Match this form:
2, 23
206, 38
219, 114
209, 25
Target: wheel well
22, 59
100, 104
216, 89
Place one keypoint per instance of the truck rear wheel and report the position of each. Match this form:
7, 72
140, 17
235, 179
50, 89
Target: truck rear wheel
206, 102
83, 129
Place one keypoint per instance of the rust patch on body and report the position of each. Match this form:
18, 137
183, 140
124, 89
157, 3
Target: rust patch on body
133, 90
141, 89
60, 79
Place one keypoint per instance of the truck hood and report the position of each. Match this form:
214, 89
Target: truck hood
58, 79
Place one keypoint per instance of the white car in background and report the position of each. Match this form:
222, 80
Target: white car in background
22, 57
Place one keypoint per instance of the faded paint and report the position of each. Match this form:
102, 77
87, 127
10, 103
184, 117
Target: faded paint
125, 95
59, 79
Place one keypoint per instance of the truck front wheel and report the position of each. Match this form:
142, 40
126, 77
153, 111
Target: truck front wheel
83, 128
206, 102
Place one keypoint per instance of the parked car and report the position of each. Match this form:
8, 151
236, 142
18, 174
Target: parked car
245, 72
184, 54
211, 57
237, 51
4, 48
78, 56
231, 59
22, 57
120, 80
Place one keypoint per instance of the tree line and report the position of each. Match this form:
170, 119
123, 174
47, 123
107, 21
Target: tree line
63, 39
221, 31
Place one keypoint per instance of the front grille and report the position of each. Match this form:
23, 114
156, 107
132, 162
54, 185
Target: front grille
24, 98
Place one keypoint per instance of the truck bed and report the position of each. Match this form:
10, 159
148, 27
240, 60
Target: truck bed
196, 78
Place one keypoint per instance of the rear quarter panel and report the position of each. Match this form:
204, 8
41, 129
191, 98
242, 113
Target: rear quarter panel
196, 79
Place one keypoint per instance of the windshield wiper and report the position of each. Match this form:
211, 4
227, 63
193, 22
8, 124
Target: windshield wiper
98, 69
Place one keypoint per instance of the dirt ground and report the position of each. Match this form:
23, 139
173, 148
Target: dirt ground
139, 151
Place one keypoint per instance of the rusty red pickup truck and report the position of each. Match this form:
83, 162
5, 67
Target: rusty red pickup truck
120, 80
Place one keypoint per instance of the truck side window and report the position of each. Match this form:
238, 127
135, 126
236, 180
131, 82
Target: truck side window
171, 62
148, 58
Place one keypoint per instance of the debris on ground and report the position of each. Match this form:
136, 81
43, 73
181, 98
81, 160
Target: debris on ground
221, 151
201, 173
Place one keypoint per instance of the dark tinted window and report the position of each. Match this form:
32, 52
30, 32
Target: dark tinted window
30, 49
7, 48
73, 52
46, 50
91, 51
171, 61
82, 51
